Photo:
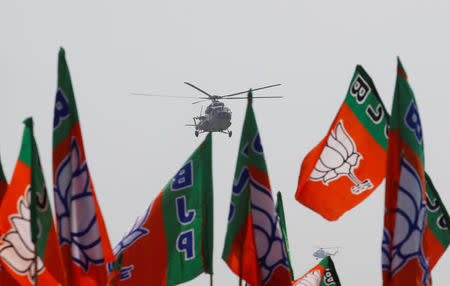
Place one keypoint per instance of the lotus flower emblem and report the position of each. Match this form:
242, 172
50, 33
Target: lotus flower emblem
18, 250
136, 232
340, 158
311, 279
77, 221
409, 224
266, 227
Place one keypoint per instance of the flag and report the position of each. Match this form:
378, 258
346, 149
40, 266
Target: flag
350, 162
437, 233
323, 274
3, 183
254, 247
404, 253
114, 271
173, 241
28, 243
5, 277
82, 233
280, 212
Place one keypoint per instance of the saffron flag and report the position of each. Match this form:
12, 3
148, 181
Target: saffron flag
254, 247
404, 253
173, 241
82, 232
437, 233
29, 245
5, 277
350, 162
280, 212
323, 274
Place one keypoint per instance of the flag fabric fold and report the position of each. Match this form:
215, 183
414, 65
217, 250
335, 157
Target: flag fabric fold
5, 277
280, 212
254, 248
437, 233
83, 238
173, 241
28, 243
404, 253
323, 274
349, 163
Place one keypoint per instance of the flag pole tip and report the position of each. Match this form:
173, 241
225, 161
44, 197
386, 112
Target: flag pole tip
28, 122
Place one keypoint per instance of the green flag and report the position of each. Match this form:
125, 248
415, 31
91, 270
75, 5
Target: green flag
280, 211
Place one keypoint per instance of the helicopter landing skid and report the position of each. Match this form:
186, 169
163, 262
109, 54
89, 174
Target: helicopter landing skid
229, 132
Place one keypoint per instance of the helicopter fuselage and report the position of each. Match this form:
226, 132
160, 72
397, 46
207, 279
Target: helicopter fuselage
217, 118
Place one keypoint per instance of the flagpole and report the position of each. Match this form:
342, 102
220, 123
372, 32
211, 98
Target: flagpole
210, 279
240, 281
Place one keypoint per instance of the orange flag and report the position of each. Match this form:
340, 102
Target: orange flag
82, 233
5, 277
28, 242
349, 163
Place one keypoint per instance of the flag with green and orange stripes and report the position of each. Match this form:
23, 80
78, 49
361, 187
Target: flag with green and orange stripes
254, 246
323, 274
349, 163
28, 241
404, 250
173, 241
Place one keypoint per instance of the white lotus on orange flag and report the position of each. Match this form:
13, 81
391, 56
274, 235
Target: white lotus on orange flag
82, 233
323, 274
28, 242
349, 163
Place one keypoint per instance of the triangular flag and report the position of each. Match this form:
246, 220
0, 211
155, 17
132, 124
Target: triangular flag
437, 233
404, 260
173, 241
323, 274
349, 163
28, 244
254, 247
280, 211
82, 233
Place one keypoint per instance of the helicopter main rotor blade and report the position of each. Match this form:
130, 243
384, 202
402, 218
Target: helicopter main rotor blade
252, 97
253, 89
199, 89
160, 95
195, 102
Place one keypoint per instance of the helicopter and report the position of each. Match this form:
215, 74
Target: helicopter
321, 253
217, 117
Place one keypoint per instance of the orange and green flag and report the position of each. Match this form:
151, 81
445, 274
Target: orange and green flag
437, 233
404, 247
350, 162
254, 246
280, 212
83, 238
173, 241
5, 277
323, 274
28, 241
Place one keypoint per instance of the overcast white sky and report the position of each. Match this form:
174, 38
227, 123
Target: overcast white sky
134, 145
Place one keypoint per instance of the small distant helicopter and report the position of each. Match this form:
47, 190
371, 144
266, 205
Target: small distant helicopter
321, 253
217, 117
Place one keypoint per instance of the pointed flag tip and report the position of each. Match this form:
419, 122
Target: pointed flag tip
400, 70
28, 122
250, 96
62, 52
